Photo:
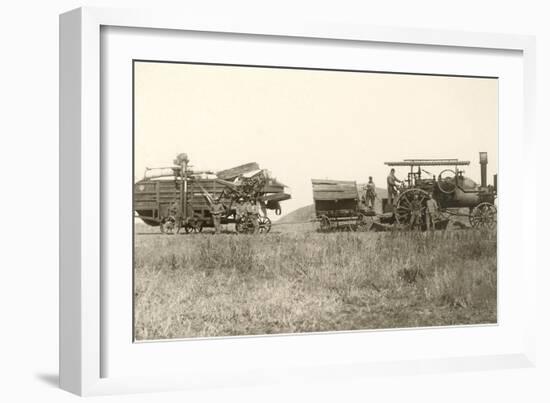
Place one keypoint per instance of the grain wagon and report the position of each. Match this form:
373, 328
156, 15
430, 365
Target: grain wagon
337, 204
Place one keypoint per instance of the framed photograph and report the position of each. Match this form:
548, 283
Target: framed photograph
248, 202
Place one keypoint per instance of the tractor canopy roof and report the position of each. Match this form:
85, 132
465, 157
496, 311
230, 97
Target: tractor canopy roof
427, 162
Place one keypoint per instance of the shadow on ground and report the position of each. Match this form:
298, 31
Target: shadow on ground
49, 379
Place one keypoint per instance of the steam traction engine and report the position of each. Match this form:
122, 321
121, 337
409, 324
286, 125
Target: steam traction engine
450, 189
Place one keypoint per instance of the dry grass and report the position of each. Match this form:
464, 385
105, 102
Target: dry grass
204, 285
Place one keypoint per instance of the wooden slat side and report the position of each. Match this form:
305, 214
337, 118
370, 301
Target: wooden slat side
331, 182
334, 188
328, 189
334, 196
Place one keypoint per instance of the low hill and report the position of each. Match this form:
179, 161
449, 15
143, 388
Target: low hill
302, 214
307, 213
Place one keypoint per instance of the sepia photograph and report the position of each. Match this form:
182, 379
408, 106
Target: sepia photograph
273, 200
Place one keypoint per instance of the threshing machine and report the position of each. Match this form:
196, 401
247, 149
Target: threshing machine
176, 197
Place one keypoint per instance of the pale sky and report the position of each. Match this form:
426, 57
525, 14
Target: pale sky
304, 124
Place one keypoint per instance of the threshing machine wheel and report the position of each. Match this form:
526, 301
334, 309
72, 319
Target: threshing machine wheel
245, 225
484, 215
264, 224
446, 183
410, 208
167, 225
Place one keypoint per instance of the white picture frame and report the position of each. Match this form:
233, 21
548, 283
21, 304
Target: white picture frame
83, 346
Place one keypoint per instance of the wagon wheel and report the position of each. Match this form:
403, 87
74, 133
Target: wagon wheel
325, 223
410, 208
167, 225
484, 215
446, 184
264, 224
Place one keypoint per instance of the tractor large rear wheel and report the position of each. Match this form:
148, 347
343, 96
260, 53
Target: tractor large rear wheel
410, 208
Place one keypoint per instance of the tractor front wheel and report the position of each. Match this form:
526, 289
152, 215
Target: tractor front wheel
484, 215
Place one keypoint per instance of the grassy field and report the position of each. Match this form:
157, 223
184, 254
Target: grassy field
204, 285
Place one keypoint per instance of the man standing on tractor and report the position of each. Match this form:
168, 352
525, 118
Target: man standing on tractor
370, 194
216, 210
392, 186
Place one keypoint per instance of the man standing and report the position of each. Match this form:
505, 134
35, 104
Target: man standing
432, 212
240, 210
252, 213
216, 210
370, 194
170, 221
173, 210
416, 213
392, 186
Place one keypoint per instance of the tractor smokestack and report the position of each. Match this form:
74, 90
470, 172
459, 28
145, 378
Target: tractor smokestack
483, 163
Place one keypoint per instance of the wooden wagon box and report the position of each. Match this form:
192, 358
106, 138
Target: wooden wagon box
334, 199
153, 198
